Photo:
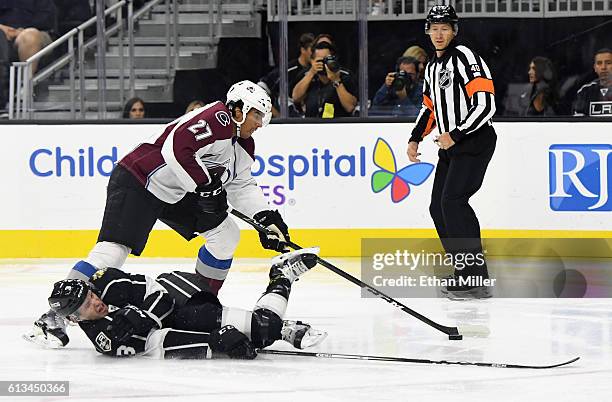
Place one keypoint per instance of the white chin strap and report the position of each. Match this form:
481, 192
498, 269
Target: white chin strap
239, 123
245, 109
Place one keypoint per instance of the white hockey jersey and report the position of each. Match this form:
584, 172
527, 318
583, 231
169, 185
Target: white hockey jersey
190, 151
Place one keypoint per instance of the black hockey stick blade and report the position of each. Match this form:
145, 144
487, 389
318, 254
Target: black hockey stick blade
453, 333
409, 360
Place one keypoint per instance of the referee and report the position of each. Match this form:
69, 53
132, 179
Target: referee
458, 102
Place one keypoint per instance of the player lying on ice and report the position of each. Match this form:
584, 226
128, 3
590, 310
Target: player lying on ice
178, 316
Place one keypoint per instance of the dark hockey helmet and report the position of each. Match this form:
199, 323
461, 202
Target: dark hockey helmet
442, 14
67, 296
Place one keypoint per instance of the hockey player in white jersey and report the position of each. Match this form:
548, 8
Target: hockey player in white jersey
184, 177
177, 315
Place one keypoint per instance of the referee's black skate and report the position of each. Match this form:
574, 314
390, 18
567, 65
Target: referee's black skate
458, 290
466, 292
293, 264
301, 335
49, 331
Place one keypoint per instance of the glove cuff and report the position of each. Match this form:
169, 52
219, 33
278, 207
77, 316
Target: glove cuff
267, 217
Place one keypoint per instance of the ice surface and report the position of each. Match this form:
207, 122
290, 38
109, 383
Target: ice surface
523, 331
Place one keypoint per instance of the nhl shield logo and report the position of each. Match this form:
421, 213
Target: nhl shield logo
103, 342
444, 78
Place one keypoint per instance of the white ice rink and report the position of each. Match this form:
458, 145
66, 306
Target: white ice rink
523, 331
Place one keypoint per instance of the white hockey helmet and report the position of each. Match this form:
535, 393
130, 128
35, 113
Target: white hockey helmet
246, 95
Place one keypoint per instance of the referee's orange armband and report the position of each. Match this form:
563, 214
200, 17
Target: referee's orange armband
479, 84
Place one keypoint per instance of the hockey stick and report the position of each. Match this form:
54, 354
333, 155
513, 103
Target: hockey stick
408, 360
454, 333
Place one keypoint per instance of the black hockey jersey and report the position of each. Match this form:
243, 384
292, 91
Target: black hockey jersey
186, 286
121, 290
593, 100
155, 300
98, 332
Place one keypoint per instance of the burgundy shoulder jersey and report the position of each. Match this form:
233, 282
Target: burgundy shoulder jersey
189, 151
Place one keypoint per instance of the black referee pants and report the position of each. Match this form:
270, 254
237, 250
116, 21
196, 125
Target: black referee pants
459, 175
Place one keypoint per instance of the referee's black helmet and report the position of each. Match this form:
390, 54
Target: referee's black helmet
442, 14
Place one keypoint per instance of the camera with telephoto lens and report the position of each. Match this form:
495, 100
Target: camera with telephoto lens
332, 63
402, 80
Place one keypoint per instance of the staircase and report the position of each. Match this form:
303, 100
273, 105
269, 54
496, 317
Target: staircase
198, 42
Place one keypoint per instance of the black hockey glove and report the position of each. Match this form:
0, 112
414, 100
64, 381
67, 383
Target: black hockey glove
232, 342
273, 221
127, 322
212, 198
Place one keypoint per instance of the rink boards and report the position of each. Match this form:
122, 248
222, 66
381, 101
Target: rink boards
334, 184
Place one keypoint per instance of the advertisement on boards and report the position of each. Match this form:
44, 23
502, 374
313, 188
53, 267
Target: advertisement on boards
327, 176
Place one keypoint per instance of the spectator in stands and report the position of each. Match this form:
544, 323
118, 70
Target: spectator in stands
28, 26
271, 81
540, 95
134, 109
326, 89
419, 54
194, 105
402, 93
599, 90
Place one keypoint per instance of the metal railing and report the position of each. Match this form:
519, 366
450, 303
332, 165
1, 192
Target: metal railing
171, 36
339, 10
22, 81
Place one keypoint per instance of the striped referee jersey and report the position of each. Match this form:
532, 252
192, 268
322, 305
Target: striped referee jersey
458, 95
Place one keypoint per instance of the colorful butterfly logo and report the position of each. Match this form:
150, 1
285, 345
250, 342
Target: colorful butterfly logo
414, 174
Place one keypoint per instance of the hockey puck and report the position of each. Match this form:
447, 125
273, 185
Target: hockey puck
455, 337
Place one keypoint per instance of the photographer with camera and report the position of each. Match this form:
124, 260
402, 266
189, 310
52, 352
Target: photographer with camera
326, 89
402, 92
271, 81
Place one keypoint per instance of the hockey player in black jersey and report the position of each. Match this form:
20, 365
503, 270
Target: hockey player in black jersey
178, 316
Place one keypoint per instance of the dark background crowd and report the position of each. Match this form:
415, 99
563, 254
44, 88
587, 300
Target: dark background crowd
541, 67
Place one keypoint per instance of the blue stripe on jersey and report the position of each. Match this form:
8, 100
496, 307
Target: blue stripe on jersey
207, 258
85, 268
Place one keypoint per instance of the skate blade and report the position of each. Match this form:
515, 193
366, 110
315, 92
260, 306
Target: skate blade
464, 295
47, 342
279, 259
314, 339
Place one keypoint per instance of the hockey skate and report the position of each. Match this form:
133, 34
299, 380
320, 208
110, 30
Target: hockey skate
301, 335
460, 291
466, 293
49, 331
293, 264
